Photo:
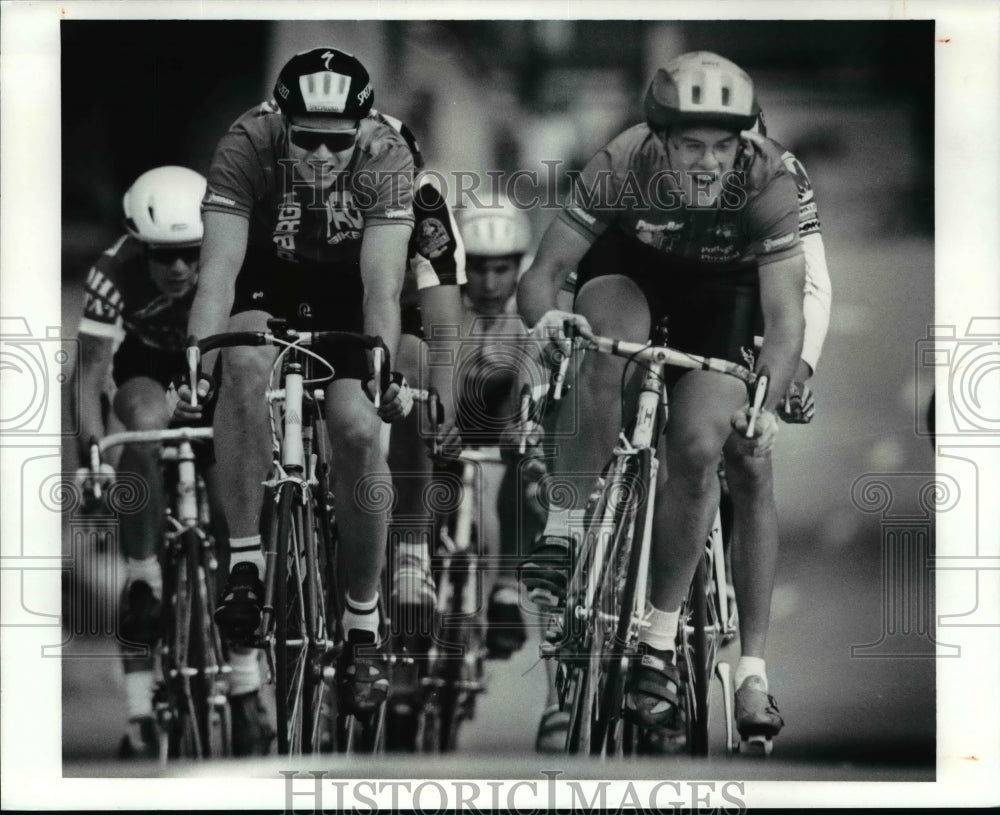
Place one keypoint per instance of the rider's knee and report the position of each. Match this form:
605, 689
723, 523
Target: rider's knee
693, 463
142, 408
748, 474
244, 375
357, 440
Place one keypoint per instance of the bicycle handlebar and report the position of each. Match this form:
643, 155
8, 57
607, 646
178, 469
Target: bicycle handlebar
318, 340
160, 436
645, 352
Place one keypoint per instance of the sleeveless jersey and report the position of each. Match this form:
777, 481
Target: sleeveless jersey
119, 294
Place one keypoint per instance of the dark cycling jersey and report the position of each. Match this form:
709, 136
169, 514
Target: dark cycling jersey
121, 300
435, 256
120, 296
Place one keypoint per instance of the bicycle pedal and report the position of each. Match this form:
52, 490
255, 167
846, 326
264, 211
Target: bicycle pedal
756, 746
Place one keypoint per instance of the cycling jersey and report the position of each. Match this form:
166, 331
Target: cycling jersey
628, 185
121, 296
435, 255
816, 304
303, 255
252, 176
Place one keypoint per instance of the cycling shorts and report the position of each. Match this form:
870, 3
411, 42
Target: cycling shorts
310, 298
134, 358
708, 312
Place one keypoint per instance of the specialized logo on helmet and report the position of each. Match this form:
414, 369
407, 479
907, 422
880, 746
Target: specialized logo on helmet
325, 91
283, 90
364, 94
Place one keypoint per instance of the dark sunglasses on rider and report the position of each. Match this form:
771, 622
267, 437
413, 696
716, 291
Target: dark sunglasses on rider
336, 141
168, 254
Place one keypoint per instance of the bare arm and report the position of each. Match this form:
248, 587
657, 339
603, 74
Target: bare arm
222, 253
560, 251
781, 285
441, 315
383, 264
95, 360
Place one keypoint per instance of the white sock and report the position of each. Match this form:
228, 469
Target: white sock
413, 551
660, 628
750, 666
247, 550
557, 523
139, 694
245, 677
147, 570
361, 615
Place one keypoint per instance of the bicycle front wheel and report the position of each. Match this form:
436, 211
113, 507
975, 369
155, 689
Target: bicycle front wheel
616, 546
299, 627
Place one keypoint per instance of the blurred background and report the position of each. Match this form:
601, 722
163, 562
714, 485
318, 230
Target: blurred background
853, 100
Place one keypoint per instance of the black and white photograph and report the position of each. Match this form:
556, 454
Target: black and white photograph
481, 408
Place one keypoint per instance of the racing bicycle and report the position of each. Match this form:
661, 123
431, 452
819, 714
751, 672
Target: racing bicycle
597, 633
190, 702
300, 632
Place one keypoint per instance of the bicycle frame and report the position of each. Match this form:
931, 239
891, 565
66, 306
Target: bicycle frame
608, 550
300, 619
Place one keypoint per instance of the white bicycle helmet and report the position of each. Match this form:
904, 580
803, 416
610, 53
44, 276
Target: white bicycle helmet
494, 231
701, 88
163, 207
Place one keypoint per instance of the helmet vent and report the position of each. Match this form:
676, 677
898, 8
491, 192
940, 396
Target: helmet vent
726, 97
696, 94
152, 215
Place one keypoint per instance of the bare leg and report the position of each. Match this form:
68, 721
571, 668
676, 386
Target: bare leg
242, 446
700, 407
358, 462
755, 546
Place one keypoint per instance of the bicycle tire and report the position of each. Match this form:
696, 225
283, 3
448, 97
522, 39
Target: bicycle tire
620, 591
205, 657
700, 670
289, 623
188, 733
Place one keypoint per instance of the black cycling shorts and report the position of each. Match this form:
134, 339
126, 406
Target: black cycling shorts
134, 358
711, 313
311, 298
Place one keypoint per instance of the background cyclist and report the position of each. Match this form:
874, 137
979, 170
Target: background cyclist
713, 227
431, 307
140, 292
308, 215
496, 359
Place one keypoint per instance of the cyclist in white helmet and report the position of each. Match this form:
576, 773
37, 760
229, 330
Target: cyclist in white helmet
495, 362
139, 293
697, 225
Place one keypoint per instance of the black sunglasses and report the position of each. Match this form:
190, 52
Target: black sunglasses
336, 141
167, 255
